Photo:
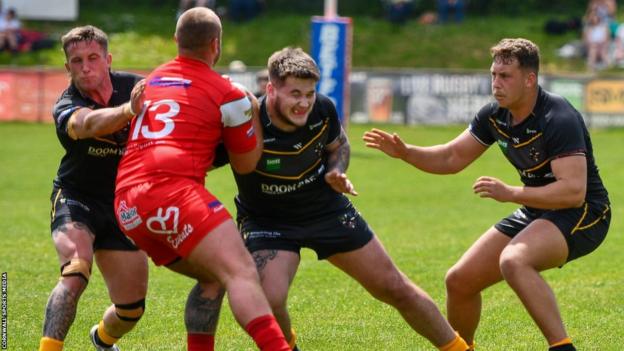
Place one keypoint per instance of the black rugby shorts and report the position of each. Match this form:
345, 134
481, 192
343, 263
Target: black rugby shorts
328, 235
97, 214
584, 228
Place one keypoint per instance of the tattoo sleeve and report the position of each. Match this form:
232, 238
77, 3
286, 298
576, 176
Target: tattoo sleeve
339, 158
60, 312
202, 314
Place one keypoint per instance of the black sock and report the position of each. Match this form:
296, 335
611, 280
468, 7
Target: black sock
564, 347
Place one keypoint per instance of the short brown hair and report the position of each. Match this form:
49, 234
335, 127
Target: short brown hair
85, 33
522, 50
292, 62
196, 28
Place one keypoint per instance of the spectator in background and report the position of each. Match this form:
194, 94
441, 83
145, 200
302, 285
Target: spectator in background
189, 4
262, 79
398, 11
618, 53
605, 9
597, 38
10, 30
244, 10
447, 6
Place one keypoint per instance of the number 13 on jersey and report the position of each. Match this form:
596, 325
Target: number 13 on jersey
171, 111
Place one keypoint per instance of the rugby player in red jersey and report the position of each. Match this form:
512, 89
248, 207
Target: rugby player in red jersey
161, 202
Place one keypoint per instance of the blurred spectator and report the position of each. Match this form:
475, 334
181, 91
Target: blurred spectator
606, 11
445, 7
618, 52
398, 11
244, 10
597, 38
237, 66
189, 4
10, 31
262, 79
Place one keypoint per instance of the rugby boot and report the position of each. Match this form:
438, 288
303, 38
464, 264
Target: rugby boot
95, 343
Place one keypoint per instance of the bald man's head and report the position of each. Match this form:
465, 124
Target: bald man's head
196, 28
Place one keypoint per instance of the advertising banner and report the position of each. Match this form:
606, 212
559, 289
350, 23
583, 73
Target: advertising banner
331, 49
605, 96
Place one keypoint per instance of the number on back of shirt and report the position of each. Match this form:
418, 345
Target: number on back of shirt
169, 109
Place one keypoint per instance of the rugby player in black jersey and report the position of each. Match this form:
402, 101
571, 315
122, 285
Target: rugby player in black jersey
295, 199
92, 121
565, 211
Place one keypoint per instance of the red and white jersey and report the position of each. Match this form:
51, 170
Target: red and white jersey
189, 109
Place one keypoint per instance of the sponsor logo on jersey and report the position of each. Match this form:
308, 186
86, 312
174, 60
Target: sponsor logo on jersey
215, 206
128, 216
269, 140
273, 164
531, 131
279, 189
319, 148
298, 146
502, 144
527, 174
515, 140
175, 82
534, 154
105, 151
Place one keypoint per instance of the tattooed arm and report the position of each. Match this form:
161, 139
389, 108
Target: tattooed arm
337, 164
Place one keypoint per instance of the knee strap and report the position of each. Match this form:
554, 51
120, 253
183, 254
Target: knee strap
131, 312
76, 266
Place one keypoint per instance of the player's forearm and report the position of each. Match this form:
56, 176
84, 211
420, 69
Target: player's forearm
338, 159
104, 121
436, 159
556, 195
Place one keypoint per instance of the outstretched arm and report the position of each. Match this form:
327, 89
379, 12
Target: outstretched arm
448, 158
337, 164
88, 123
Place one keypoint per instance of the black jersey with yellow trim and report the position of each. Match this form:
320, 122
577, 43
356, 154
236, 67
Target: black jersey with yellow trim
553, 129
89, 165
289, 181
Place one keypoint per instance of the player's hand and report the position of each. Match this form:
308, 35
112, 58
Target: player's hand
137, 97
340, 183
390, 144
493, 188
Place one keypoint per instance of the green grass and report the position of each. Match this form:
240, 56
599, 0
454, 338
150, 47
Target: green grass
142, 39
425, 222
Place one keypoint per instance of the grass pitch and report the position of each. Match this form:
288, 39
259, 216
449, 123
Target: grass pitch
425, 222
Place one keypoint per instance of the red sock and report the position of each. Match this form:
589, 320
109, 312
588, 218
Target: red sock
267, 334
200, 342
